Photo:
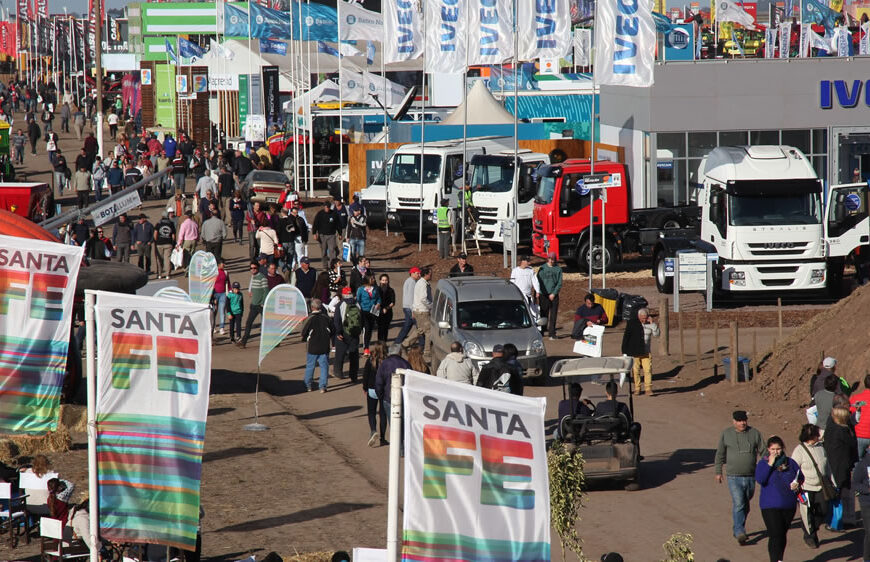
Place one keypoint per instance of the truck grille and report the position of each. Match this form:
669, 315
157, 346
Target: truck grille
487, 215
777, 248
409, 201
777, 282
778, 269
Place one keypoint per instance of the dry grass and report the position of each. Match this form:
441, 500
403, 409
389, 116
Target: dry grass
325, 556
72, 419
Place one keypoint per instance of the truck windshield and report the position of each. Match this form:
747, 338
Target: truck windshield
379, 177
493, 315
804, 208
406, 168
546, 189
492, 178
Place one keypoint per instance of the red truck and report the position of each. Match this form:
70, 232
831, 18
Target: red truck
560, 222
34, 201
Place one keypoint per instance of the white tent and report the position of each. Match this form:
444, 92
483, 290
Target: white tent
325, 91
483, 109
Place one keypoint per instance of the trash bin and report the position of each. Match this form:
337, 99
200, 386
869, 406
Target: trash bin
631, 304
743, 372
608, 299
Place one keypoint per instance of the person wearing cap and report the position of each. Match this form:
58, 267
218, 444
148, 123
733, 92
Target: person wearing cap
739, 449
462, 268
492, 375
306, 276
346, 341
827, 369
550, 282
164, 241
258, 291
408, 303
143, 238
445, 228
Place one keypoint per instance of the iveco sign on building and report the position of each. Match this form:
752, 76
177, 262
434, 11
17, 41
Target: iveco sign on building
819, 105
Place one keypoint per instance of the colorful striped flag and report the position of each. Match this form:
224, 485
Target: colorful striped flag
153, 374
283, 310
202, 273
37, 286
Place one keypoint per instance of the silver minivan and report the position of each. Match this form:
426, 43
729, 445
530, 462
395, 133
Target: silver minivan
480, 312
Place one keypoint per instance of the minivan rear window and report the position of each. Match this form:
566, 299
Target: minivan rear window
493, 315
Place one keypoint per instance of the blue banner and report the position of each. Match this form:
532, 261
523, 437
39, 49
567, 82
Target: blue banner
326, 49
235, 21
170, 51
273, 47
189, 50
680, 42
268, 23
320, 22
813, 11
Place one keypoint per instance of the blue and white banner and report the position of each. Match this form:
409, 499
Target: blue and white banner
784, 39
370, 52
544, 29
327, 49
190, 52
446, 23
864, 42
268, 23
353, 87
843, 41
404, 26
389, 92
359, 23
625, 42
235, 21
680, 42
319, 22
769, 42
490, 31
273, 47
170, 51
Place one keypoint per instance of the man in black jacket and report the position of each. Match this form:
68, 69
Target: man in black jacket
346, 341
305, 277
317, 331
327, 230
500, 374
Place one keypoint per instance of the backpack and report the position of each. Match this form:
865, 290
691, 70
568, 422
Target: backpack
352, 323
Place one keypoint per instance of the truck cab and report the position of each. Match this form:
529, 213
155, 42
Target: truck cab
561, 217
494, 184
442, 177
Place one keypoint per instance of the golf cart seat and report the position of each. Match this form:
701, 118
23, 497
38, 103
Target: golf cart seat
591, 429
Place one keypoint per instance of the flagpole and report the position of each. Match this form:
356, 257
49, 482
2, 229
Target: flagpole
307, 109
295, 65
592, 166
465, 184
340, 109
422, 135
250, 69
91, 366
514, 204
386, 139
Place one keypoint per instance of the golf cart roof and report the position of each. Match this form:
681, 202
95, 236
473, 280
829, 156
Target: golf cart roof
591, 368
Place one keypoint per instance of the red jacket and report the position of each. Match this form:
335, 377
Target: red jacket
861, 401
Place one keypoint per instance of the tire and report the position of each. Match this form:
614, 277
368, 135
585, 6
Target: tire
286, 165
670, 222
664, 284
609, 256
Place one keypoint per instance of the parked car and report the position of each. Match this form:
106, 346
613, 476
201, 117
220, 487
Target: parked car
339, 182
264, 186
481, 312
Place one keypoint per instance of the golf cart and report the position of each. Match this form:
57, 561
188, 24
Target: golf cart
610, 444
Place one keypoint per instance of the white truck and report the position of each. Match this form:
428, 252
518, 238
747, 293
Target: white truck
495, 180
442, 178
762, 213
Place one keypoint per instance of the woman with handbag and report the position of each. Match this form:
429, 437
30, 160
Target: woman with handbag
818, 487
779, 478
841, 447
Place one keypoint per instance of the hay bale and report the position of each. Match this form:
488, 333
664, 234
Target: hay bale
74, 417
58, 441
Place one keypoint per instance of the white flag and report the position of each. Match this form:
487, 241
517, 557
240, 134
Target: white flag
359, 23
490, 32
784, 39
804, 46
353, 87
625, 42
446, 22
819, 42
544, 29
842, 40
582, 47
389, 93
769, 42
220, 51
864, 43
728, 10
348, 50
404, 27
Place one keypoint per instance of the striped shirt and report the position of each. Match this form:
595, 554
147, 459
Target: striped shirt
259, 289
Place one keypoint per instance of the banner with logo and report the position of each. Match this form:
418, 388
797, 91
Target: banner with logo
476, 482
544, 29
37, 286
769, 42
153, 375
235, 21
815, 11
390, 93
283, 310
319, 22
22, 16
403, 24
269, 23
203, 273
353, 86
680, 42
273, 47
359, 23
271, 95
582, 47
490, 31
625, 42
446, 22
784, 39
864, 42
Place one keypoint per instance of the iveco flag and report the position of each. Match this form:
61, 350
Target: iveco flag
403, 25
446, 22
490, 29
544, 29
625, 39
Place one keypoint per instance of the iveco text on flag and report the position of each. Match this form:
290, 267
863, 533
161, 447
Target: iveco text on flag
490, 32
625, 42
446, 22
403, 25
544, 28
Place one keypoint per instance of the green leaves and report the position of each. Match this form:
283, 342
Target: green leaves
567, 482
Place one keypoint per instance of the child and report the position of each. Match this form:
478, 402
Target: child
236, 305
59, 494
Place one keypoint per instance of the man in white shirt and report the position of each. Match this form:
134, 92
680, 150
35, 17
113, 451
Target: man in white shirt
205, 184
408, 303
523, 276
420, 309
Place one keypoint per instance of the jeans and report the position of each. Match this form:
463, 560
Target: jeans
406, 325
221, 299
143, 250
179, 182
742, 489
98, 189
350, 349
369, 323
236, 327
550, 309
863, 443
287, 261
237, 230
372, 406
329, 248
310, 361
253, 312
357, 248
777, 522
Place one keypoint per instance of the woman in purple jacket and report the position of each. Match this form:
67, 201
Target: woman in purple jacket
779, 478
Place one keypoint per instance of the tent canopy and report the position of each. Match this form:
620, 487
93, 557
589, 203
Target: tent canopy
483, 109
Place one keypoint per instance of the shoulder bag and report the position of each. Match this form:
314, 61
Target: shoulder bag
828, 491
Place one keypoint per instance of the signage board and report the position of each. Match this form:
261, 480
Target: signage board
105, 213
693, 271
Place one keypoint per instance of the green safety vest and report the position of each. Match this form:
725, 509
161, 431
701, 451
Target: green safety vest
443, 218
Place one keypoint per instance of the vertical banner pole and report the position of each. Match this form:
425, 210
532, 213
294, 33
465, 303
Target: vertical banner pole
90, 336
256, 426
393, 482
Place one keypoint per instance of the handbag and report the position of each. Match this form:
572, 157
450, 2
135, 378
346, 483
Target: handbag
828, 490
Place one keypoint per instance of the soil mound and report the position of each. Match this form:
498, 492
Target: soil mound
840, 332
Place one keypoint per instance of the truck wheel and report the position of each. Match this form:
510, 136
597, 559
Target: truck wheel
287, 165
607, 255
663, 283
670, 222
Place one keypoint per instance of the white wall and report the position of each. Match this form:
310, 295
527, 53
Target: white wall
632, 141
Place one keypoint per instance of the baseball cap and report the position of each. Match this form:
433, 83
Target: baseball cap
170, 210
415, 269
498, 348
829, 363
463, 255
236, 285
740, 415
346, 291
552, 255
262, 257
304, 259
